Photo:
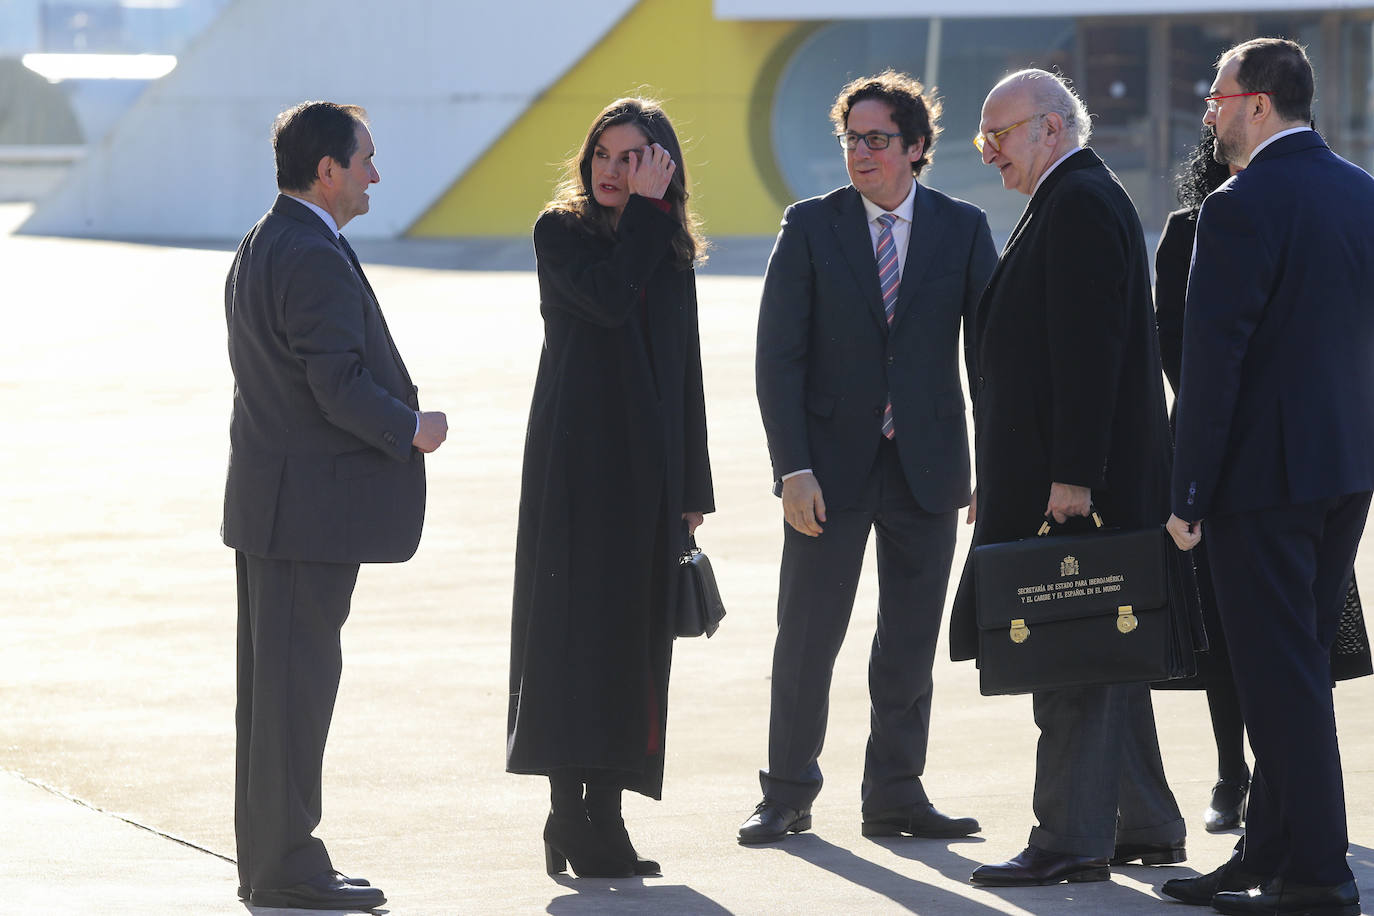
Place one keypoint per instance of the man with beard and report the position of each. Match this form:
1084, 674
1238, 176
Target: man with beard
1275, 450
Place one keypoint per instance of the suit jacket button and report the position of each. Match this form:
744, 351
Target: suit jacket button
891, 360
877, 411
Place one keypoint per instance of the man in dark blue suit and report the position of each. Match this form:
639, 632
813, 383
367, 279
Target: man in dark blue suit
858, 383
1275, 450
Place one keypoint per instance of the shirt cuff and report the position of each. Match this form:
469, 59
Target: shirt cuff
797, 473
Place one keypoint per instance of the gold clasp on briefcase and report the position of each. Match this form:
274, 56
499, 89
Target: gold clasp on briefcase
1019, 631
1125, 620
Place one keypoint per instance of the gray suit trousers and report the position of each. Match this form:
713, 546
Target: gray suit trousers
289, 662
1099, 779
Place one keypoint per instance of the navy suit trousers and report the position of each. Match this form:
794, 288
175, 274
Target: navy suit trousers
1280, 576
819, 577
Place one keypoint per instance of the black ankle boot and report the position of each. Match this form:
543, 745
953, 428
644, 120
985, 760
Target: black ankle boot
603, 810
573, 841
570, 838
1228, 804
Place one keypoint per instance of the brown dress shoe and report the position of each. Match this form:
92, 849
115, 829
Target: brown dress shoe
1036, 866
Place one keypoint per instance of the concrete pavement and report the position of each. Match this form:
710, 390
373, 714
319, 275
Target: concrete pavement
117, 674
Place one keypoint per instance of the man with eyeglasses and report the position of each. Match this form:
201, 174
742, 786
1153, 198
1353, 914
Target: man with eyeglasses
1275, 453
1069, 418
858, 382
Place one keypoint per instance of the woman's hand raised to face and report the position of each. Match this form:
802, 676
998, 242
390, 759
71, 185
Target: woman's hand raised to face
651, 168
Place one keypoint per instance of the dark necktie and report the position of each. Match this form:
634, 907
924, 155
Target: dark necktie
377, 306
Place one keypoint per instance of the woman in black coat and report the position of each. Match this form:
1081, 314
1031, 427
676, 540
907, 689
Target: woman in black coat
616, 474
1200, 176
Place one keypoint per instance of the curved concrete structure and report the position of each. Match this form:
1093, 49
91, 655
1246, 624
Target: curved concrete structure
440, 80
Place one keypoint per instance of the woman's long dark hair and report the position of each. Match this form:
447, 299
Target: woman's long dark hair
574, 193
1201, 174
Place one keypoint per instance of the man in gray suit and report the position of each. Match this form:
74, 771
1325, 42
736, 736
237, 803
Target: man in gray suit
325, 472
858, 382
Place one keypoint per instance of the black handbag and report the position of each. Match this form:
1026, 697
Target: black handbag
1109, 607
699, 608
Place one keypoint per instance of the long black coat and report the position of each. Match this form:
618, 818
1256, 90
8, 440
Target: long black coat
615, 452
1070, 389
1172, 259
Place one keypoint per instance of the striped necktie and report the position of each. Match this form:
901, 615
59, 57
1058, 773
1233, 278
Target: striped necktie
890, 279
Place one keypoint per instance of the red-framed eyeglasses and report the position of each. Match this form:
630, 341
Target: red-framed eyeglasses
1212, 100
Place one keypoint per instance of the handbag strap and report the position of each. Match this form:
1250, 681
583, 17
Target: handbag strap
1046, 528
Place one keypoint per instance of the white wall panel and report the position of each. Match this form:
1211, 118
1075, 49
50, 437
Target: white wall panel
440, 80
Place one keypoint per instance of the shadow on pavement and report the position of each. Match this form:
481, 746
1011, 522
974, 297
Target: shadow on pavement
594, 897
914, 896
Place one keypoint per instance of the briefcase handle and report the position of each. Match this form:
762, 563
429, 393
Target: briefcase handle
1046, 529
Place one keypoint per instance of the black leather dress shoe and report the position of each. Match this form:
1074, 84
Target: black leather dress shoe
917, 820
1149, 853
772, 821
1228, 805
325, 891
245, 892
1199, 891
1036, 866
1282, 896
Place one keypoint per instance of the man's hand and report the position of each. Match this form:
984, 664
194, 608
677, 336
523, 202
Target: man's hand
693, 520
972, 508
802, 504
432, 431
1067, 500
1187, 535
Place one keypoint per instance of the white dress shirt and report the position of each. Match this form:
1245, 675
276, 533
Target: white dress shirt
1283, 133
321, 212
901, 229
1054, 165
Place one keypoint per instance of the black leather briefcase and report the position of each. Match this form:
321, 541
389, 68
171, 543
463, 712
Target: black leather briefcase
1109, 607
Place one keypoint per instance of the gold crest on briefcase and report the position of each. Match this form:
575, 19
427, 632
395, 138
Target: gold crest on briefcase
1068, 566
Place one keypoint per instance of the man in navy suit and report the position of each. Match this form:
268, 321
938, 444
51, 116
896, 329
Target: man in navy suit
857, 372
1275, 451
325, 472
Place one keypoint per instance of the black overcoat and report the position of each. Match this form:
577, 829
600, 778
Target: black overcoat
1070, 388
615, 452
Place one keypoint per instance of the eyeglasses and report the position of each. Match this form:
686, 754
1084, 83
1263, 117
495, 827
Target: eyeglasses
983, 138
1212, 100
874, 139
